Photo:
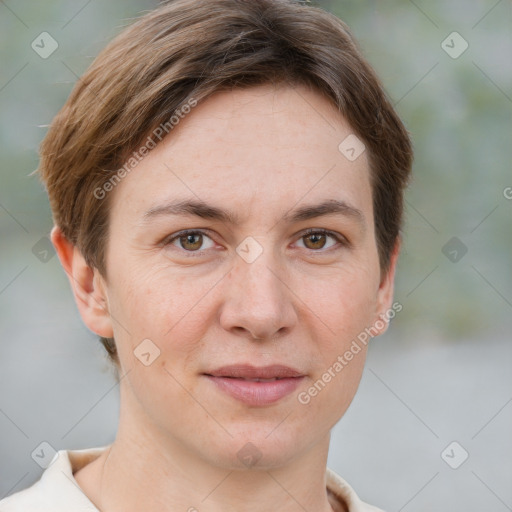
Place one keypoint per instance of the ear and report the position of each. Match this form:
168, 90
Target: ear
385, 293
88, 285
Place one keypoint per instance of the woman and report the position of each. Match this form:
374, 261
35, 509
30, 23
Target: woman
226, 181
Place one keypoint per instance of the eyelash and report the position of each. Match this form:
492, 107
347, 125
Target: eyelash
339, 238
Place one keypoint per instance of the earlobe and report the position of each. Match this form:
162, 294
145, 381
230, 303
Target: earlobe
87, 284
385, 292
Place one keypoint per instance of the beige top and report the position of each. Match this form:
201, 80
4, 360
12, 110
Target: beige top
58, 491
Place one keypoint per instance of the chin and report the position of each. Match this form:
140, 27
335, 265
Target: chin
260, 449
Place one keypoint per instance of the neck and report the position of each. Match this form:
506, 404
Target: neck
145, 469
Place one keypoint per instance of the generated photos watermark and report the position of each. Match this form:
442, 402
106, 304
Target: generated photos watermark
304, 397
158, 133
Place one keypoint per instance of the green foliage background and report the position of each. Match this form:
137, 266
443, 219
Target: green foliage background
457, 110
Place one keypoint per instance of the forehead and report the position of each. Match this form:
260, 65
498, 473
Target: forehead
260, 147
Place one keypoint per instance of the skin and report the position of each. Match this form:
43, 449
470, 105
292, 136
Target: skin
259, 152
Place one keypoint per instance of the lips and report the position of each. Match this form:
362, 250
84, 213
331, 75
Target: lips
256, 386
249, 372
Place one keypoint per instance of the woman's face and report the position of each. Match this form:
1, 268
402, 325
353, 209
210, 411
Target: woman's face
249, 287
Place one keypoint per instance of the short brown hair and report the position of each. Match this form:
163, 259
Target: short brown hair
190, 49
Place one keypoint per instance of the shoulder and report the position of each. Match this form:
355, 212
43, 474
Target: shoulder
56, 490
346, 495
29, 500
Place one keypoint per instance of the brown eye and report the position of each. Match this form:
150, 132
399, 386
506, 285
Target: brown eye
318, 239
315, 240
190, 241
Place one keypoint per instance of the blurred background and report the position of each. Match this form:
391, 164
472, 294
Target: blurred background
430, 428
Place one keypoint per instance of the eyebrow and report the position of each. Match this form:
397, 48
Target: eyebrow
206, 211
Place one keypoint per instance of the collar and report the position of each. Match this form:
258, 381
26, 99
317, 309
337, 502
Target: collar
58, 491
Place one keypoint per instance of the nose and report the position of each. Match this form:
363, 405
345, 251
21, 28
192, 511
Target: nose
259, 303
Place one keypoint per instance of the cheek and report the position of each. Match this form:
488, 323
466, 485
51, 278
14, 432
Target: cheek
331, 390
343, 302
142, 293
169, 309
344, 307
